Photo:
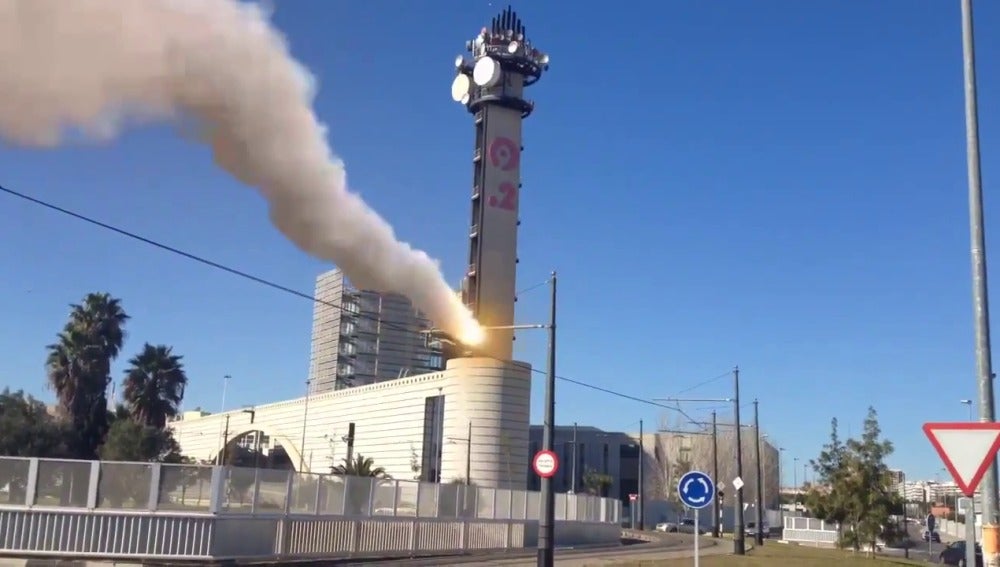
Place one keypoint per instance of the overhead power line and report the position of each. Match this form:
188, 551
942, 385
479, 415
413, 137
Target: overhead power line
285, 289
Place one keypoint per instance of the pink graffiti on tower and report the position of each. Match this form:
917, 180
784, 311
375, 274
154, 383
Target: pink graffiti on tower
505, 153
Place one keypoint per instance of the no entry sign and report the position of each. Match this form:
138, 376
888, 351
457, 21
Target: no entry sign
545, 463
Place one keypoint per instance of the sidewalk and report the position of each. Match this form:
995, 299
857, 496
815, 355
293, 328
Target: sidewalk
617, 556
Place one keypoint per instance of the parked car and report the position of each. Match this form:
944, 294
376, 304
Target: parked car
932, 536
687, 527
666, 527
954, 554
750, 530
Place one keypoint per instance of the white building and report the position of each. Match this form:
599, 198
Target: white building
421, 420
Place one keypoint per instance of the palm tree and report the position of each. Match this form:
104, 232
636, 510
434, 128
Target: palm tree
78, 367
360, 466
154, 385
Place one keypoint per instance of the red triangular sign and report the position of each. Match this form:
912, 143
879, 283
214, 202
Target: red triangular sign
967, 450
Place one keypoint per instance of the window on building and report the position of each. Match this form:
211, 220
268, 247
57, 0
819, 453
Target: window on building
347, 348
435, 361
534, 481
345, 369
366, 325
351, 306
347, 328
628, 474
430, 467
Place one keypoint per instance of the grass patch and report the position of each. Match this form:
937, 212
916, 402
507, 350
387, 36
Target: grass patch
781, 555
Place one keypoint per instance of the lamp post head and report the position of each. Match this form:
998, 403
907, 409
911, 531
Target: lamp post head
966, 402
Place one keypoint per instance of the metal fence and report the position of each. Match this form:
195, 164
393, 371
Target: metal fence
230, 490
810, 531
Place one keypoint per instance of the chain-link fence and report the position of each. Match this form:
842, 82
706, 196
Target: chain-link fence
233, 490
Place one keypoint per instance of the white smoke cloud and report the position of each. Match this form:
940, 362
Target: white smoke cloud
94, 66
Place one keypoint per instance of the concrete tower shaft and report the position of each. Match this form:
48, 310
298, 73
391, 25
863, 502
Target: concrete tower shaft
491, 86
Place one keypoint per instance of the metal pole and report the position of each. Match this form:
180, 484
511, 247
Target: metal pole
715, 476
781, 505
468, 456
225, 387
546, 524
970, 531
225, 441
302, 442
760, 474
739, 542
980, 293
639, 496
697, 529
573, 468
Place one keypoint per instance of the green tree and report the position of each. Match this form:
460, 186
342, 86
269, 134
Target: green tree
854, 487
596, 483
133, 442
27, 429
154, 385
360, 465
356, 494
78, 368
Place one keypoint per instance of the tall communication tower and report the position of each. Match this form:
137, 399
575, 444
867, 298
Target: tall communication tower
491, 86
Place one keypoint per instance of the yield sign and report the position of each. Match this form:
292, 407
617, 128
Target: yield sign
967, 450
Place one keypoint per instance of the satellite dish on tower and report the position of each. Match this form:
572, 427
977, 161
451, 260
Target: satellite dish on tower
486, 73
460, 88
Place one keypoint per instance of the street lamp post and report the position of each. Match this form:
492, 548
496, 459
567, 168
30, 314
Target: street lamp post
760, 472
546, 524
968, 403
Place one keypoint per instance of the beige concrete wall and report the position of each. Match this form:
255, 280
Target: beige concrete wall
389, 419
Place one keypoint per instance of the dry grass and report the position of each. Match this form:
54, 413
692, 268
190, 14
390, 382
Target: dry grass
778, 555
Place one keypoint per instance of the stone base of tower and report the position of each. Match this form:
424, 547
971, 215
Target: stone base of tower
495, 398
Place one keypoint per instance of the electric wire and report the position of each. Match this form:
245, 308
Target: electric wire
291, 291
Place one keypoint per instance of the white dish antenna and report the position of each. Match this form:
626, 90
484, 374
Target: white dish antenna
460, 88
486, 73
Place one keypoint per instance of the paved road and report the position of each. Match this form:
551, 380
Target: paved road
921, 551
671, 546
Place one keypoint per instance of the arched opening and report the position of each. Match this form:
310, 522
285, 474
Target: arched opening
260, 449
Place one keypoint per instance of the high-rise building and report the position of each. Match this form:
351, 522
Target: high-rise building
362, 337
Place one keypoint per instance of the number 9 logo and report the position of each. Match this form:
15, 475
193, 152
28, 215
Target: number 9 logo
505, 153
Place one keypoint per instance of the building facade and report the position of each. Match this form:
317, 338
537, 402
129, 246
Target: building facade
667, 456
415, 427
365, 337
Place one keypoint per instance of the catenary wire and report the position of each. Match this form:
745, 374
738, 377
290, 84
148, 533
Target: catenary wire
285, 289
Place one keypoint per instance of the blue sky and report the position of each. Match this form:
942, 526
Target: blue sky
778, 185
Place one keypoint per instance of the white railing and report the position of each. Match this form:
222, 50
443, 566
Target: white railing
809, 531
150, 510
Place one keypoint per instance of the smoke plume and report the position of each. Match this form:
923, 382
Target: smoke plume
94, 66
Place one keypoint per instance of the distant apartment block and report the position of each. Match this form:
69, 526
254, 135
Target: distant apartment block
361, 337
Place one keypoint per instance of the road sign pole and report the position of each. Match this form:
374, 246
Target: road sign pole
697, 532
970, 531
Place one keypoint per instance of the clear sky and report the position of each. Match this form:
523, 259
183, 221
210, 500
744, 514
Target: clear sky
778, 185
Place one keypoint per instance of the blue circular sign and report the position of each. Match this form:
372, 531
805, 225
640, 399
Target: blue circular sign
696, 490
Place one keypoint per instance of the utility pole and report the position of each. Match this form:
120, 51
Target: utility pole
349, 439
715, 476
781, 505
225, 442
302, 442
546, 524
760, 473
639, 502
573, 469
980, 289
225, 388
256, 438
739, 541
468, 456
